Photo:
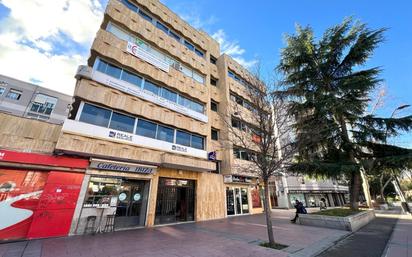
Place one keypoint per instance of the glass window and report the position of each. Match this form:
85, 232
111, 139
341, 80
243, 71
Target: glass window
189, 45
131, 78
14, 94
2, 89
43, 104
200, 53
213, 106
244, 155
169, 95
149, 86
174, 35
101, 66
182, 138
101, 191
215, 134
184, 101
213, 82
122, 122
236, 153
231, 74
197, 142
188, 72
235, 123
199, 78
213, 59
197, 107
162, 27
95, 115
146, 128
113, 71
119, 33
130, 5
145, 16
165, 134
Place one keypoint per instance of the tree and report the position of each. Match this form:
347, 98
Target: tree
258, 125
328, 93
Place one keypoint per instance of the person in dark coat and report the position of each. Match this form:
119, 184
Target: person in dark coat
299, 209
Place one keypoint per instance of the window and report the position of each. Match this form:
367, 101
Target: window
146, 128
113, 71
130, 5
217, 170
189, 45
242, 154
165, 134
169, 95
196, 107
162, 27
101, 66
145, 16
182, 138
14, 94
43, 104
2, 89
95, 115
131, 78
200, 53
231, 74
239, 124
213, 59
101, 191
174, 35
213, 82
149, 86
213, 106
215, 134
197, 142
122, 122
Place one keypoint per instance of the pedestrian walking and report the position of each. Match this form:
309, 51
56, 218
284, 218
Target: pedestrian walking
300, 209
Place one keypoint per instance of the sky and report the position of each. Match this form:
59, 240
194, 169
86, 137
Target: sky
43, 41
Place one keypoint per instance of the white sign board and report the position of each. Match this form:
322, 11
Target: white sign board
122, 166
146, 56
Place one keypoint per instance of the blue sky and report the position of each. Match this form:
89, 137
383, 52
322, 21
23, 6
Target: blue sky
53, 45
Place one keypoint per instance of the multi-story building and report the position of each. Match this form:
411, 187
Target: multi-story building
32, 101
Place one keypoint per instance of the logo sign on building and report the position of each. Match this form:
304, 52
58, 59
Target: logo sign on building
236, 179
179, 148
146, 56
2, 154
122, 167
120, 135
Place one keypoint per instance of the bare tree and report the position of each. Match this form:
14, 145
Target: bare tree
258, 124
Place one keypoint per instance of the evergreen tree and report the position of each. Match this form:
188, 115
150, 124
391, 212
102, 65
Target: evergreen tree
328, 91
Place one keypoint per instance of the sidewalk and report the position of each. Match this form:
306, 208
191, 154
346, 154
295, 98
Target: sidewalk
236, 236
400, 244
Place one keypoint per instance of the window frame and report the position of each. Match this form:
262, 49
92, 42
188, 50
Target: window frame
216, 133
14, 91
213, 103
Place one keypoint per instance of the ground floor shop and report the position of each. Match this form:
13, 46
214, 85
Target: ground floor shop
38, 194
119, 195
313, 199
244, 195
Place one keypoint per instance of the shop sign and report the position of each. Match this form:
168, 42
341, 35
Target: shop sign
148, 96
211, 156
120, 135
122, 167
146, 56
236, 179
179, 148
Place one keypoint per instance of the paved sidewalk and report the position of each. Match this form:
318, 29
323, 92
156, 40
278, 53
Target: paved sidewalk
400, 244
237, 236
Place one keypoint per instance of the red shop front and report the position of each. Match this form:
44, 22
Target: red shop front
38, 194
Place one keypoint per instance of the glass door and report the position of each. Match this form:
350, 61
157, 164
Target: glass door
230, 201
132, 203
245, 202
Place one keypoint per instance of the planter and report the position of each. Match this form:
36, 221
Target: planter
349, 223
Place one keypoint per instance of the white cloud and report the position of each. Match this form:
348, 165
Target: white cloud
45, 40
232, 48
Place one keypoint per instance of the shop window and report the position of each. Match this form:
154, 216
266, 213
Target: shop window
169, 95
102, 191
215, 134
182, 138
213, 106
122, 122
43, 104
14, 94
165, 134
146, 128
197, 142
95, 115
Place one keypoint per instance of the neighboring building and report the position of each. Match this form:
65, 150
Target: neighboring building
32, 101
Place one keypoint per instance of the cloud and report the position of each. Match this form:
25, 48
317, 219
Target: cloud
48, 48
232, 48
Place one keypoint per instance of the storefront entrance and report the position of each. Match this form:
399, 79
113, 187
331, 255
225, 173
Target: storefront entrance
175, 201
237, 201
132, 203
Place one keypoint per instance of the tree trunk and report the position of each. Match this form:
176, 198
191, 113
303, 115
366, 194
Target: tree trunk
382, 189
354, 190
268, 213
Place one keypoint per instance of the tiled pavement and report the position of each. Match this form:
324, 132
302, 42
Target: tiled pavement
400, 244
237, 236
